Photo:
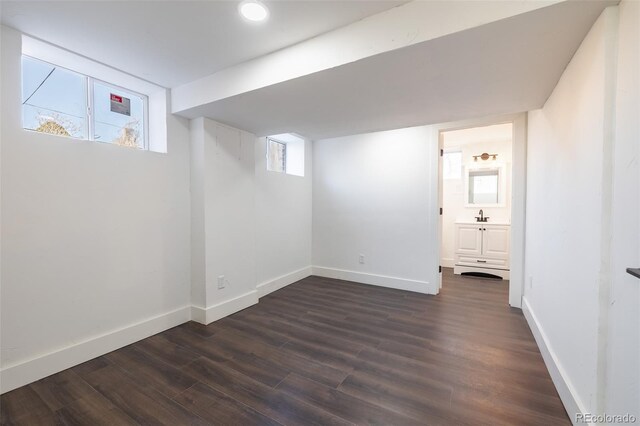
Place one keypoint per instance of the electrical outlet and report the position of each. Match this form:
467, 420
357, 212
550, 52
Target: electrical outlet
361, 259
222, 283
530, 282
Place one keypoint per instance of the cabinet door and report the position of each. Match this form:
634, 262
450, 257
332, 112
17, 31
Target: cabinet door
469, 240
495, 241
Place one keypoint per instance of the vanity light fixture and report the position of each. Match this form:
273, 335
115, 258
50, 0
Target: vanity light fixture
484, 156
253, 10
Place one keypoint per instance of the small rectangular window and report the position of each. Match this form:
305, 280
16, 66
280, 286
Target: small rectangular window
58, 101
452, 165
54, 100
276, 156
118, 116
285, 154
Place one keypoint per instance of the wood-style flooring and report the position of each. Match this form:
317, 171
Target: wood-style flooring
320, 351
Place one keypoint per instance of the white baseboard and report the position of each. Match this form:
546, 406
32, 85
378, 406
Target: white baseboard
223, 309
372, 279
565, 389
447, 263
283, 281
502, 273
14, 376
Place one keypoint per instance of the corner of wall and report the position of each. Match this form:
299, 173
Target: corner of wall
270, 286
374, 279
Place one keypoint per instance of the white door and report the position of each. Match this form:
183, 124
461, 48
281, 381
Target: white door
495, 241
469, 240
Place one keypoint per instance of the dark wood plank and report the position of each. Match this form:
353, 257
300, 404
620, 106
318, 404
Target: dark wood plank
61, 389
144, 404
220, 408
93, 409
264, 399
346, 406
305, 367
151, 371
16, 405
167, 351
431, 407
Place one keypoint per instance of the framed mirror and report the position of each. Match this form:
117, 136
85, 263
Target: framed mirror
484, 186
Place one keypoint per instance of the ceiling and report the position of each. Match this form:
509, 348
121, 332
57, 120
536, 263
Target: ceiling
493, 133
507, 66
174, 42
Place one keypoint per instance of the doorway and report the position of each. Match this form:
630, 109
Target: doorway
481, 190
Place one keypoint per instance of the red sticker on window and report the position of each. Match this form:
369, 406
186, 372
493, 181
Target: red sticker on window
120, 104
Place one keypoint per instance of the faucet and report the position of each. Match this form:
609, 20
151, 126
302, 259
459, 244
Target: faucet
481, 218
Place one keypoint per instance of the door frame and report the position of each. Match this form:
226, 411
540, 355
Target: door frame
518, 194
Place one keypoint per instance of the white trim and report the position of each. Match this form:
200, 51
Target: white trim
563, 385
156, 105
518, 193
282, 281
14, 376
447, 262
223, 309
373, 279
81, 64
502, 273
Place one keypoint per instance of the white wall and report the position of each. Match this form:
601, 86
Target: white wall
569, 217
454, 201
283, 219
375, 194
249, 225
229, 212
95, 239
623, 357
105, 245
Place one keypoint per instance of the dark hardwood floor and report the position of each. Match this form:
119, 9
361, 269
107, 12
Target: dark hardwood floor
319, 351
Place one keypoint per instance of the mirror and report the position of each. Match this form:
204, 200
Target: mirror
484, 186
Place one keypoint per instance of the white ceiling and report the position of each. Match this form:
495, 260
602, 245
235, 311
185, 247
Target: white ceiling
507, 66
496, 132
175, 42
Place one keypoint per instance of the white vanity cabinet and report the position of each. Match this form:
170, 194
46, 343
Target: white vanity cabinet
482, 247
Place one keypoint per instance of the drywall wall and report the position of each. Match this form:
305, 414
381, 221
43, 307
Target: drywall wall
623, 357
223, 242
95, 240
283, 220
198, 236
251, 228
454, 202
566, 229
375, 195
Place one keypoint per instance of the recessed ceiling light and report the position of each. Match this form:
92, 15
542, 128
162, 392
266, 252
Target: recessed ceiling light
253, 10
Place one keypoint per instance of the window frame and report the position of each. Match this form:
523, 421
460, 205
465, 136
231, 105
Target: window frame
284, 156
449, 152
89, 113
145, 109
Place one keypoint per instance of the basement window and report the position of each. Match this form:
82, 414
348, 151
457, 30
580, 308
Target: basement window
285, 154
69, 95
276, 156
452, 165
58, 101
